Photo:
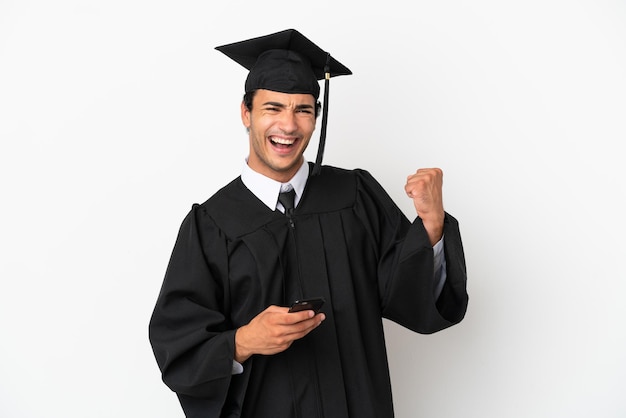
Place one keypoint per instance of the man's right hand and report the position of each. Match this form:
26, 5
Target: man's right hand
273, 331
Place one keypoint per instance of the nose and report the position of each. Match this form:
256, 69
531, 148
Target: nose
288, 121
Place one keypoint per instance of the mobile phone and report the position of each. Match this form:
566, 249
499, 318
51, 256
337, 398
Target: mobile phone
313, 304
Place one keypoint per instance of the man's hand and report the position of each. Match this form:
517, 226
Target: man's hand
425, 188
273, 331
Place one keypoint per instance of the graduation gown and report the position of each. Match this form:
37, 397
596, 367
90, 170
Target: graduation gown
350, 244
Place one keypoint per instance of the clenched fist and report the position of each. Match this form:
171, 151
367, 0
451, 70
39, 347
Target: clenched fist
425, 188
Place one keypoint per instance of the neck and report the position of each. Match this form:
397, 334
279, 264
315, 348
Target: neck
281, 176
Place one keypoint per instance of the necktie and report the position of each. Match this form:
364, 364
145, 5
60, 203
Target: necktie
287, 200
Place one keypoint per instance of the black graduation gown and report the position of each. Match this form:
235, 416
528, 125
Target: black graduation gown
350, 244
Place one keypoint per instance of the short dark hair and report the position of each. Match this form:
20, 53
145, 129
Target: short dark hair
249, 96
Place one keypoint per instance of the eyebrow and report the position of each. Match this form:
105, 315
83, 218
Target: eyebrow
282, 106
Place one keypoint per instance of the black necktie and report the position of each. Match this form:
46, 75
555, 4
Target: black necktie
287, 200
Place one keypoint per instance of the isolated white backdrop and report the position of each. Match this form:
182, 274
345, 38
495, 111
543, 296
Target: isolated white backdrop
115, 116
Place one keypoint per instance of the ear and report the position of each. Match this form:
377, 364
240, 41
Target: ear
245, 115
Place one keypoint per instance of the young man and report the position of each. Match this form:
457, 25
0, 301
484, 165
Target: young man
222, 331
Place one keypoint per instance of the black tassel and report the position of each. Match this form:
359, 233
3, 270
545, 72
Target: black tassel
320, 150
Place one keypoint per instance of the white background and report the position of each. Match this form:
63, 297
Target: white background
115, 116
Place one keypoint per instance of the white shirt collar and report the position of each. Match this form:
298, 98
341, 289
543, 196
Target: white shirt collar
267, 190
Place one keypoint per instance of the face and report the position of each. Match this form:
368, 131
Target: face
280, 126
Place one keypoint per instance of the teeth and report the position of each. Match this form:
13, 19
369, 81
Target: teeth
282, 141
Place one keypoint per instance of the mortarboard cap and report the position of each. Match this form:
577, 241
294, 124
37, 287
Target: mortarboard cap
287, 62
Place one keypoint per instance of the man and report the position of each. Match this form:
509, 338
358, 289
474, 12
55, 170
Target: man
222, 331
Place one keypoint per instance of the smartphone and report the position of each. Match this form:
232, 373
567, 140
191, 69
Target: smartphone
313, 304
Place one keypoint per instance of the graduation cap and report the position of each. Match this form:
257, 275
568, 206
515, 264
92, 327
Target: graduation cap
288, 62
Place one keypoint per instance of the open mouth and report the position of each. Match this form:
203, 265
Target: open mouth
282, 143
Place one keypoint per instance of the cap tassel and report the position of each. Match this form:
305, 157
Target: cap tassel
320, 151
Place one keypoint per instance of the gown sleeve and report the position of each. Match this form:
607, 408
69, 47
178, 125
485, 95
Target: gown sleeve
192, 340
406, 265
